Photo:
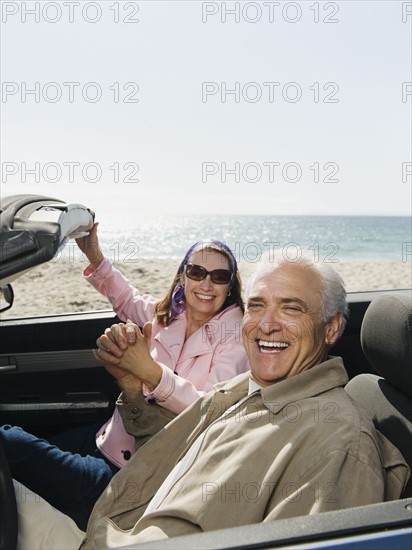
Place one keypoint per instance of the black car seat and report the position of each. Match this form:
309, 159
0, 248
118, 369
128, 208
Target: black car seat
386, 339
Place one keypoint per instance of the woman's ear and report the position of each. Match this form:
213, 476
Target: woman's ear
333, 329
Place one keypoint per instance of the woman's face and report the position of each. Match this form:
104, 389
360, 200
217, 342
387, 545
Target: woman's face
205, 298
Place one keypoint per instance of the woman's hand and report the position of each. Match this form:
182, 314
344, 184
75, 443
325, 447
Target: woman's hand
125, 350
110, 349
116, 340
89, 245
137, 359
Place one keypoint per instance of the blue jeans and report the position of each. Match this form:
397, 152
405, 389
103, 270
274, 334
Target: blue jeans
68, 470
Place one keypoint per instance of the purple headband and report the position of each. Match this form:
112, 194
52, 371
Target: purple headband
178, 302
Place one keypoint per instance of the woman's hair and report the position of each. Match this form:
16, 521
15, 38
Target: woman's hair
174, 302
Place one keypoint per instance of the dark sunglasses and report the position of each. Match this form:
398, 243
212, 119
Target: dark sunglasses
218, 276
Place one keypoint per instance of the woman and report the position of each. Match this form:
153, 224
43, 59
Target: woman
200, 316
193, 342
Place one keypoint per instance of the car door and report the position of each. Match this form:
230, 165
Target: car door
49, 378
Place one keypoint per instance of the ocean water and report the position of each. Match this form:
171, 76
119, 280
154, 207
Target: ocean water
330, 238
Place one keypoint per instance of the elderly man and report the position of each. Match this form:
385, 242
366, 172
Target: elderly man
282, 441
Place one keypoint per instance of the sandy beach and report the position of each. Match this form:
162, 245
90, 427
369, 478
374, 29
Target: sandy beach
58, 286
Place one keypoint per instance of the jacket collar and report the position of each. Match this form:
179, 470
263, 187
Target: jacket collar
314, 381
173, 337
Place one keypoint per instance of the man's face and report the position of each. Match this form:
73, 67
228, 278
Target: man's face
283, 330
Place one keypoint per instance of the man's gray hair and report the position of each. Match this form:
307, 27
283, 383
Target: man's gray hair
333, 290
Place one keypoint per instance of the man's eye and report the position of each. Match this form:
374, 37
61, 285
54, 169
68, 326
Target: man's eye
293, 308
254, 305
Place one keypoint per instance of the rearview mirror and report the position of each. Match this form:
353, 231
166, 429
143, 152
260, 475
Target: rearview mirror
6, 297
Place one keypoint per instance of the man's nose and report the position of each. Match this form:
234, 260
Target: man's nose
270, 322
267, 327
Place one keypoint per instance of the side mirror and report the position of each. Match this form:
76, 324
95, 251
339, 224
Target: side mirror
6, 297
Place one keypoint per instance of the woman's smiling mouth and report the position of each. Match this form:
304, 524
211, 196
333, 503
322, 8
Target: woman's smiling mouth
204, 297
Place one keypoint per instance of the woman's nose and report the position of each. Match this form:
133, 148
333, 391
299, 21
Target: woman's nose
207, 282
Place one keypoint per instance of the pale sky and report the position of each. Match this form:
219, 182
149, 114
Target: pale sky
210, 107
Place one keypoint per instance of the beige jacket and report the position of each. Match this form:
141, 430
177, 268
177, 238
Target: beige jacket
299, 447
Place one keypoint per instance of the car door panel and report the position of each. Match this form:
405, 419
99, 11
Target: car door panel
49, 378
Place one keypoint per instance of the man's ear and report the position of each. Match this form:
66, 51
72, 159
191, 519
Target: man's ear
333, 329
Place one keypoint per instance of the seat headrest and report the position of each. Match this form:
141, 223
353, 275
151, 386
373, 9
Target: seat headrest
386, 339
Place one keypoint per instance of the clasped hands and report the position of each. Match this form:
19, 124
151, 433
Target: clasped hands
124, 351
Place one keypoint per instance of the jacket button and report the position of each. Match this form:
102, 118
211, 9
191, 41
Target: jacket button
127, 455
134, 410
152, 401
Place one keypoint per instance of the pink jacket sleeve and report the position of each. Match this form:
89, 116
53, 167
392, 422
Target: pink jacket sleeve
176, 393
126, 301
227, 360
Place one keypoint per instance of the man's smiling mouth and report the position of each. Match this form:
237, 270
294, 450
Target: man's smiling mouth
272, 347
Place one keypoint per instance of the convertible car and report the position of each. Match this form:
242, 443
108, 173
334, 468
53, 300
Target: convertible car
50, 381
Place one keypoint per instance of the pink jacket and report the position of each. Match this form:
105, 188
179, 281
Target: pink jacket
212, 354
